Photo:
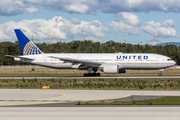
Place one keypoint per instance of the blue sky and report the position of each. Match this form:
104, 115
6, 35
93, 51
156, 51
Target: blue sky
133, 21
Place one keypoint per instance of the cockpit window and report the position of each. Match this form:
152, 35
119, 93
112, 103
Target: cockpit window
169, 59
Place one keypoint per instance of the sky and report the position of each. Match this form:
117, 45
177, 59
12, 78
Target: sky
130, 21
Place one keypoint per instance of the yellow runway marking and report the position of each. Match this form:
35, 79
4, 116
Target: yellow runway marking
121, 97
62, 95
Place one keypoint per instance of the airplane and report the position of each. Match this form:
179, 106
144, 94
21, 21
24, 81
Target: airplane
109, 63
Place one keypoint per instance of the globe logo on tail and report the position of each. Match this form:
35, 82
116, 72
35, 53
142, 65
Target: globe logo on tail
31, 49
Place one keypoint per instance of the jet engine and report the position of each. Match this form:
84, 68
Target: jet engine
111, 69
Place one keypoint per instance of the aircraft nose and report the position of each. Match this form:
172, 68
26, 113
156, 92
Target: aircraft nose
174, 63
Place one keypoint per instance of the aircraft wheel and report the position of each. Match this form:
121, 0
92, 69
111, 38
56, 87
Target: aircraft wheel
98, 74
85, 74
93, 74
89, 74
160, 74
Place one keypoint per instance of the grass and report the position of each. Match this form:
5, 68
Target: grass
97, 84
157, 101
56, 72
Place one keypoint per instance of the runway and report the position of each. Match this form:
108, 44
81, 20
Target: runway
89, 113
109, 77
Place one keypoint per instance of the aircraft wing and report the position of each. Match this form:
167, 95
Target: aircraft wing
19, 57
83, 62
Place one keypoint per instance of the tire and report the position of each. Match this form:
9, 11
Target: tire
160, 74
85, 75
93, 74
90, 74
98, 74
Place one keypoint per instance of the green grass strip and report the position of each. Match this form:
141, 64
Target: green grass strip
157, 101
93, 84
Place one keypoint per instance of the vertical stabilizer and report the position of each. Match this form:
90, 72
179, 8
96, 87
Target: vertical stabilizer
27, 46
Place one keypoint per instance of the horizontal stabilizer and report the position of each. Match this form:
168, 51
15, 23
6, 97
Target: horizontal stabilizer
18, 57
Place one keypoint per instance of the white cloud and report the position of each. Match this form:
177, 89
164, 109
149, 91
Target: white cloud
32, 10
3, 36
163, 7
130, 18
134, 3
115, 6
93, 39
77, 8
129, 23
75, 21
164, 29
169, 22
65, 29
14, 7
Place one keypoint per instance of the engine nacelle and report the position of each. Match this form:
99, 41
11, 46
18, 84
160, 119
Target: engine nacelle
111, 69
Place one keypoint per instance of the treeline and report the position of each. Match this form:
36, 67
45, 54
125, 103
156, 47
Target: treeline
87, 46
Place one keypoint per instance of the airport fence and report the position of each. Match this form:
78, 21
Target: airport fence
19, 66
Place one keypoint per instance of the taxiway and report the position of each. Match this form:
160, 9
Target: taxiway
11, 97
20, 104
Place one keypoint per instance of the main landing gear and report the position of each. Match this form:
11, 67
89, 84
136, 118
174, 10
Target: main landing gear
91, 74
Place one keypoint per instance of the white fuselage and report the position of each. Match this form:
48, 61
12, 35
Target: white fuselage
124, 60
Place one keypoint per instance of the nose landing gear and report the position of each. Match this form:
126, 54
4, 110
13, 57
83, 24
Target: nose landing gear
160, 74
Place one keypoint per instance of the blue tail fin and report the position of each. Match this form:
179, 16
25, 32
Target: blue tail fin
27, 46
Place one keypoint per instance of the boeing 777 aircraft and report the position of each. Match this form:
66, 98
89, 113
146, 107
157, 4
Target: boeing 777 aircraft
110, 63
